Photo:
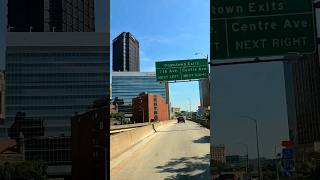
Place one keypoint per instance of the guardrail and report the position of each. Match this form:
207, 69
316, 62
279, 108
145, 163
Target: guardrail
127, 126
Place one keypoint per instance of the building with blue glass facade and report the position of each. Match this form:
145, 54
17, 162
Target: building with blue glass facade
128, 85
51, 76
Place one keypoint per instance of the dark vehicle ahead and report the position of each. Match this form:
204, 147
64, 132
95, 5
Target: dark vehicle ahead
181, 119
228, 177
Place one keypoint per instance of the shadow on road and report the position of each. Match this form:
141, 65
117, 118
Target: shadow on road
187, 168
181, 130
203, 139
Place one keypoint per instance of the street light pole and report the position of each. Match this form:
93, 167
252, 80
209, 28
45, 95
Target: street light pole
257, 141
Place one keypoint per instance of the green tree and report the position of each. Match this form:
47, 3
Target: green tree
217, 167
118, 115
206, 115
27, 170
30, 170
178, 114
310, 169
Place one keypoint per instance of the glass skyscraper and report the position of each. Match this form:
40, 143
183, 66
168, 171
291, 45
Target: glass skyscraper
125, 55
51, 76
128, 85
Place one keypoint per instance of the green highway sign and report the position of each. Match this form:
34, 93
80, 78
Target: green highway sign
182, 70
250, 28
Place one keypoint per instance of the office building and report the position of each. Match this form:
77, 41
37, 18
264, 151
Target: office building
55, 151
113, 108
125, 49
302, 80
89, 142
204, 90
217, 154
128, 85
149, 108
2, 97
302, 77
3, 128
175, 110
51, 15
50, 76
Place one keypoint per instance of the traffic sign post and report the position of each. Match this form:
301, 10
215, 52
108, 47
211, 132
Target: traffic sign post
287, 153
287, 162
261, 28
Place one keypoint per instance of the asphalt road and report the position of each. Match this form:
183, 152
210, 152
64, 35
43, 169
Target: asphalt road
175, 152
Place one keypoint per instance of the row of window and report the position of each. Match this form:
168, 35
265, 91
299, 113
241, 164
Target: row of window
63, 74
53, 55
99, 86
26, 108
69, 97
57, 80
54, 155
55, 65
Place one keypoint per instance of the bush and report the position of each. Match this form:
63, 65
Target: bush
27, 170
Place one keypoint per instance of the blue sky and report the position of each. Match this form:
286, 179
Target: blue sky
166, 30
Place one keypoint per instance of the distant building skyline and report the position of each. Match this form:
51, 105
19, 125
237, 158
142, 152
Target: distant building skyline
128, 85
125, 56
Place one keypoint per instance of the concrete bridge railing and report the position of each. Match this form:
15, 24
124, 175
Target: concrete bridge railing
121, 142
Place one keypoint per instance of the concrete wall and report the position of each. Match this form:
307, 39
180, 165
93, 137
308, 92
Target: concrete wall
121, 142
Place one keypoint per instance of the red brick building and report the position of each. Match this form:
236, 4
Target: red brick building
89, 143
149, 108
